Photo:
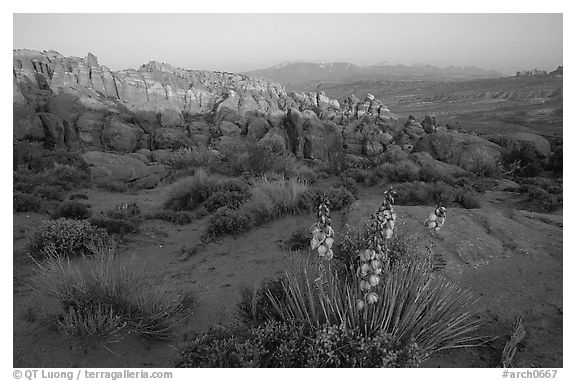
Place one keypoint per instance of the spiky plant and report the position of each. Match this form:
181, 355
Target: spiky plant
322, 233
413, 307
376, 256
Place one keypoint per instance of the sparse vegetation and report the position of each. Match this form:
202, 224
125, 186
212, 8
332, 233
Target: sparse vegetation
67, 237
73, 210
190, 192
105, 292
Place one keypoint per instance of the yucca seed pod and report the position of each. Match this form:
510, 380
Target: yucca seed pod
376, 264
364, 285
372, 297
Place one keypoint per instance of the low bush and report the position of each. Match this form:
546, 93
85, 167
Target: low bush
294, 345
129, 212
229, 221
78, 196
188, 193
25, 202
105, 292
255, 306
419, 193
467, 199
177, 218
73, 210
539, 200
67, 237
530, 163
229, 199
299, 240
114, 226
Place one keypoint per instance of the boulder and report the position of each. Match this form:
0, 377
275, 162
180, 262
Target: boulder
539, 143
257, 128
171, 138
469, 152
429, 124
228, 129
107, 167
161, 156
121, 137
431, 165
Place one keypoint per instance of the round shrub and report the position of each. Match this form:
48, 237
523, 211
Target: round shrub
228, 221
73, 210
67, 237
231, 199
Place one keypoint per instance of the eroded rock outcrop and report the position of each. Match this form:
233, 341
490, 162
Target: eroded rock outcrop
77, 102
469, 152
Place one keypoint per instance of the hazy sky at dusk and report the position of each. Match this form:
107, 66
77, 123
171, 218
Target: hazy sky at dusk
241, 42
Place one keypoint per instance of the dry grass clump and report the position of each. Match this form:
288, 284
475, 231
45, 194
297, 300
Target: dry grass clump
104, 293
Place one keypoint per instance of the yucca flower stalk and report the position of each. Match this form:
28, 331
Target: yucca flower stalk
322, 233
375, 257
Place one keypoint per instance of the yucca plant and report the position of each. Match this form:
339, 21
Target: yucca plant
413, 306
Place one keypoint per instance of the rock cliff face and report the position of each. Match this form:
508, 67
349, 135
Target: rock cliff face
77, 102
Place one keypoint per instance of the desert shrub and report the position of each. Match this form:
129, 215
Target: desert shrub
67, 177
467, 199
555, 162
126, 211
526, 155
416, 308
104, 291
114, 226
50, 192
230, 199
271, 198
68, 238
337, 198
178, 218
418, 193
228, 221
73, 210
255, 306
431, 174
38, 160
400, 171
350, 185
78, 196
294, 345
25, 202
98, 320
359, 175
539, 200
190, 192
299, 240
305, 174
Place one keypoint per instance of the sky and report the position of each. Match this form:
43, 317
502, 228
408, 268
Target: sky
242, 42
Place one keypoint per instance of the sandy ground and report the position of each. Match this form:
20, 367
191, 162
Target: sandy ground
511, 259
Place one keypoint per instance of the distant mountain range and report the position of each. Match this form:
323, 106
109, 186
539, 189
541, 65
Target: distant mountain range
307, 75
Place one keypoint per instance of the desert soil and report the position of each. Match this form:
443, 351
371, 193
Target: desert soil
511, 259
